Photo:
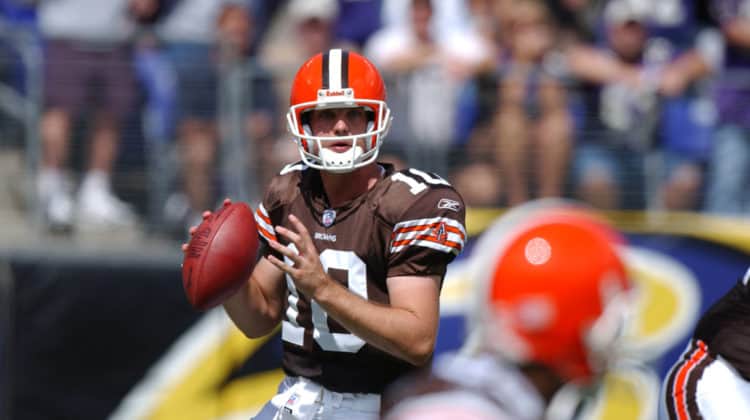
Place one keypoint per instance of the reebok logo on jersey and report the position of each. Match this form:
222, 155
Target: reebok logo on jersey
447, 203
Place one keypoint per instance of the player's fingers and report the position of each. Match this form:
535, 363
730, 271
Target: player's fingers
206, 214
302, 231
192, 230
289, 234
280, 265
298, 225
287, 252
184, 247
227, 201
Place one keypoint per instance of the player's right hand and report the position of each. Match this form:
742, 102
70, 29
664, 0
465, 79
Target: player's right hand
205, 215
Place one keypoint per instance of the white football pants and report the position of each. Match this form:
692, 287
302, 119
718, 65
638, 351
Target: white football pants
303, 399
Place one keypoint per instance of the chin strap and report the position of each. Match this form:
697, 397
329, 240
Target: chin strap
346, 159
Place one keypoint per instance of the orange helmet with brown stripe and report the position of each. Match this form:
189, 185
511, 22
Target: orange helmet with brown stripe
338, 79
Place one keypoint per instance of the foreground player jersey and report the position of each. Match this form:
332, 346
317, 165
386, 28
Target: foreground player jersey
464, 387
409, 223
711, 380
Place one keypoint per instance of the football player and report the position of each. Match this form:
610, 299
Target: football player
552, 298
711, 380
354, 251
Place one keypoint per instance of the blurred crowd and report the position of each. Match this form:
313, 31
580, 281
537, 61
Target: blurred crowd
624, 104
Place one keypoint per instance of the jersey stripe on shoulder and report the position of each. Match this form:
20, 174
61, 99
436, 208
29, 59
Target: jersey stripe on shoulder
440, 233
265, 227
682, 382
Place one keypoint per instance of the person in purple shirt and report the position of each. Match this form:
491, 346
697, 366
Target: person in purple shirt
682, 50
730, 161
357, 20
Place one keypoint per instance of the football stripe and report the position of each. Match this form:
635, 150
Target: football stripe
681, 380
429, 244
263, 222
452, 237
263, 218
429, 221
449, 223
420, 228
266, 234
427, 238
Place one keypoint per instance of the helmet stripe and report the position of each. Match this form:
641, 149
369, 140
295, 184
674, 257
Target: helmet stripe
345, 69
334, 69
324, 72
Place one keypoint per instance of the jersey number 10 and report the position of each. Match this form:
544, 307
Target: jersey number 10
294, 333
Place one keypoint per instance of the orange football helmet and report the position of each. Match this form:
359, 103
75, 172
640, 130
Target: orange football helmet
338, 79
552, 290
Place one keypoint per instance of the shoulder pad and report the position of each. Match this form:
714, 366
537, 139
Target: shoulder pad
420, 193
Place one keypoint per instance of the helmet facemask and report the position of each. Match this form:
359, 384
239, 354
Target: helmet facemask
363, 148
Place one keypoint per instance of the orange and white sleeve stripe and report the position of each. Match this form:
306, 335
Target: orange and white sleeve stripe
682, 381
439, 233
263, 221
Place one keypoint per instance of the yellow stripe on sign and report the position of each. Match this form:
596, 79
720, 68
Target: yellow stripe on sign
733, 232
627, 394
667, 302
657, 306
204, 394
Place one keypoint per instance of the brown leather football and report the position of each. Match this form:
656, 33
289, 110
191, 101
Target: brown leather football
220, 256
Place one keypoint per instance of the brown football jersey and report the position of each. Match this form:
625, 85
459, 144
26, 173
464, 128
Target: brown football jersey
725, 327
711, 378
409, 223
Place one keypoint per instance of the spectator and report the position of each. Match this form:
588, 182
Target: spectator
302, 29
729, 170
357, 21
249, 86
426, 71
683, 50
199, 36
577, 18
18, 43
666, 85
88, 67
617, 113
533, 126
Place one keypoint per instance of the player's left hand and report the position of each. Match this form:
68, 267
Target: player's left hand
306, 271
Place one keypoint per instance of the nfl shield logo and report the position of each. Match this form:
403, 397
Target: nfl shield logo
328, 217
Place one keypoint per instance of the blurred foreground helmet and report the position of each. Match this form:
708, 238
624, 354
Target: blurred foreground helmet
338, 79
552, 290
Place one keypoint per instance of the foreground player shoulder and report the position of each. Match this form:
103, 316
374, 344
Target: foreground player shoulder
414, 201
281, 190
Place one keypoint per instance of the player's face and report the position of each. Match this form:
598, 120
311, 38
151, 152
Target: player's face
338, 122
